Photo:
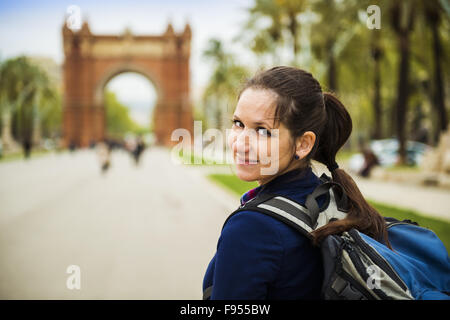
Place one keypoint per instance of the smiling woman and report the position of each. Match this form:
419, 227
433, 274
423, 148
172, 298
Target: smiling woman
249, 158
283, 120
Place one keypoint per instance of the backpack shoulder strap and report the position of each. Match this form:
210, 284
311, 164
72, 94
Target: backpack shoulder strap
304, 219
280, 208
335, 206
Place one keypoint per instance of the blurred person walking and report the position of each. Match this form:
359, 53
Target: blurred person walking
138, 150
370, 161
104, 155
27, 148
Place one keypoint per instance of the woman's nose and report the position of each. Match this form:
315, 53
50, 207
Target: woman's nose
244, 141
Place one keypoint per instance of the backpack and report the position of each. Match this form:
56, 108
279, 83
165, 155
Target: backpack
357, 267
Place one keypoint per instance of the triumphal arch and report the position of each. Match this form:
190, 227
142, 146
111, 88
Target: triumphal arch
91, 60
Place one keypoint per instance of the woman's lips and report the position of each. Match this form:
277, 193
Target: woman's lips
246, 162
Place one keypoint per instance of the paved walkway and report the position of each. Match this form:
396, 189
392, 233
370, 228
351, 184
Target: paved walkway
136, 233
430, 201
143, 232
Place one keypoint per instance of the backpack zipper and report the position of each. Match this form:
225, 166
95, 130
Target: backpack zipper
347, 246
378, 259
347, 277
391, 224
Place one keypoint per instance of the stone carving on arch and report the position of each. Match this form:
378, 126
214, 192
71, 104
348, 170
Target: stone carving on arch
92, 60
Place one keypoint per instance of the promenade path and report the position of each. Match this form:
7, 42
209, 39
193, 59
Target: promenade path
144, 232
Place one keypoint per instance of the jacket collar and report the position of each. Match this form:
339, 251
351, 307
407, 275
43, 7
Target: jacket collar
296, 181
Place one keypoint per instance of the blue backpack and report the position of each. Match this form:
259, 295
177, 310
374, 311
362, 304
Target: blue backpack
357, 267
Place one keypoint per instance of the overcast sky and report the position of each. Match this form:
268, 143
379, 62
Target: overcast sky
34, 27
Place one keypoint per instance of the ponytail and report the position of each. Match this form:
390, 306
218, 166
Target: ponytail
361, 215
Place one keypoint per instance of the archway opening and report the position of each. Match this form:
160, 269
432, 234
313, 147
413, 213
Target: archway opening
129, 99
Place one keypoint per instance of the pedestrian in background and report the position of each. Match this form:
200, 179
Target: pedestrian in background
104, 155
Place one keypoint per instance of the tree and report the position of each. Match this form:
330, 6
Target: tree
402, 22
272, 23
377, 55
25, 92
332, 32
223, 83
433, 14
263, 28
118, 120
290, 10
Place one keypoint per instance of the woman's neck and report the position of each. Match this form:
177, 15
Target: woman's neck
289, 168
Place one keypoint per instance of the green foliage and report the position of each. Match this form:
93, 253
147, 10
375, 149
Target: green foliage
272, 24
220, 94
51, 117
118, 118
233, 183
28, 96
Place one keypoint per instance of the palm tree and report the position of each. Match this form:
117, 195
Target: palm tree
43, 102
332, 32
433, 16
402, 22
377, 55
263, 29
282, 18
291, 9
223, 83
24, 92
14, 90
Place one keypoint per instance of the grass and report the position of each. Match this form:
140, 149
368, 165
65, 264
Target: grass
233, 183
20, 155
195, 160
440, 227
403, 169
344, 155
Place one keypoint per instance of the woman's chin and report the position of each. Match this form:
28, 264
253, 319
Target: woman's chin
247, 173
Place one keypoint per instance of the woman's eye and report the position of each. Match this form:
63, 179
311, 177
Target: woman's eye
263, 132
260, 130
237, 123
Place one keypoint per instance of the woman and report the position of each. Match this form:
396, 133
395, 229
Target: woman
259, 257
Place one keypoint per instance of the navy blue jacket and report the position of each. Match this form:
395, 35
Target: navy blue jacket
259, 257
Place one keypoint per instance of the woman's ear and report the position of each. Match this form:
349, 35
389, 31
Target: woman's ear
304, 144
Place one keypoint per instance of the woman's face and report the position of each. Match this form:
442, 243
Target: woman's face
261, 151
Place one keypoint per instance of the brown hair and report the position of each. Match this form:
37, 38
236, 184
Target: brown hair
302, 106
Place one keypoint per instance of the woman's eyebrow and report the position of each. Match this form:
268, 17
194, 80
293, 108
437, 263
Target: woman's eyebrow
255, 123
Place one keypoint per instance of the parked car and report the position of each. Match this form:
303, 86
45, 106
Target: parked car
49, 144
386, 151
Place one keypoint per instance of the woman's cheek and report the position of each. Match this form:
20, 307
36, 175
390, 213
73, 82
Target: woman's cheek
231, 139
264, 151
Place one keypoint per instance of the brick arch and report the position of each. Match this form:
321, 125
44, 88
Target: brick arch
92, 60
